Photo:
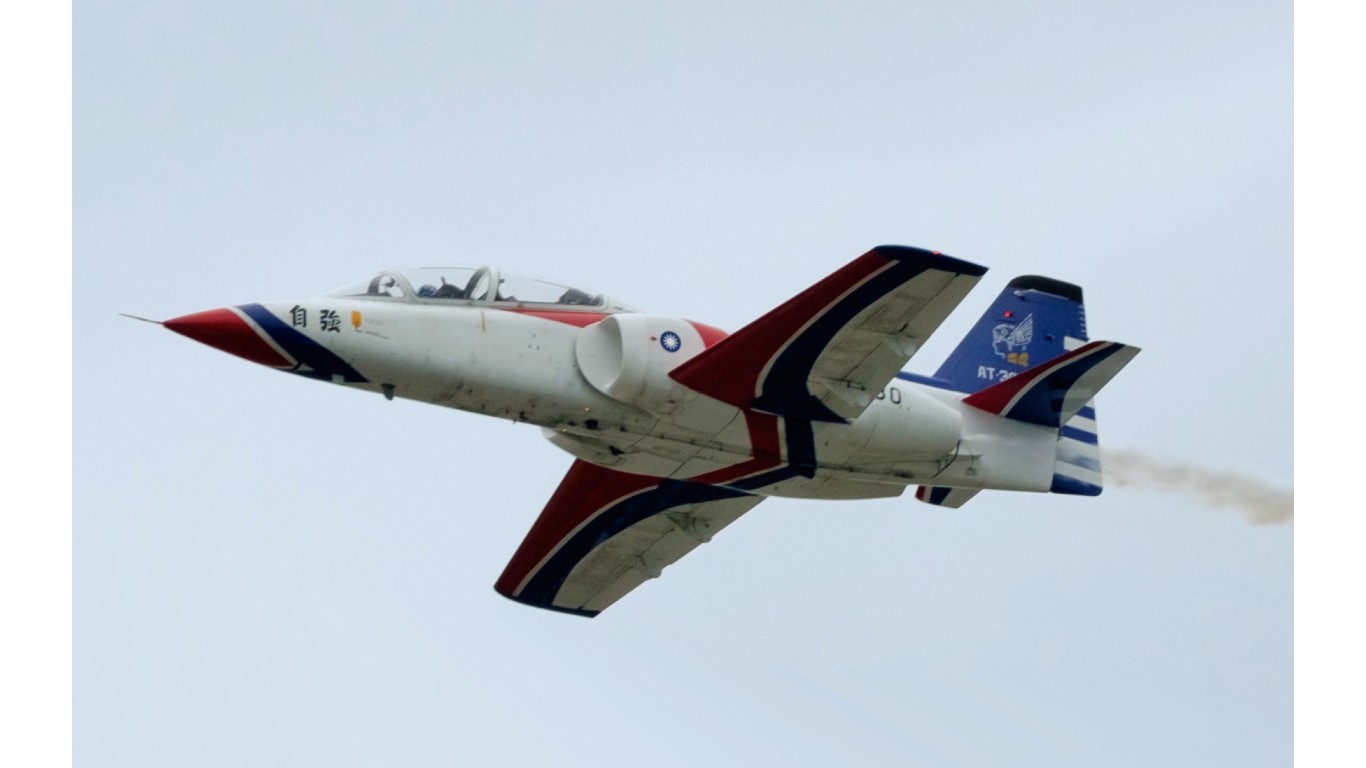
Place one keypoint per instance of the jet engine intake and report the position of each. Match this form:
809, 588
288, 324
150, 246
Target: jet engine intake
628, 358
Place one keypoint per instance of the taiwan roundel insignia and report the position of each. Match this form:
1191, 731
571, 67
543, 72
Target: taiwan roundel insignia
670, 341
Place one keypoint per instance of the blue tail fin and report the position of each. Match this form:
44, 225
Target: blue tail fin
1030, 322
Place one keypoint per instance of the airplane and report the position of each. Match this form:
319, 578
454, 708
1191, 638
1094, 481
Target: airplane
678, 428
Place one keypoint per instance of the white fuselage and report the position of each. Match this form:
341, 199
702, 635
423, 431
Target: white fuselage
598, 385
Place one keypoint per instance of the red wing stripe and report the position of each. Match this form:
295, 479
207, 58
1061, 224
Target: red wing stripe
585, 491
730, 371
765, 447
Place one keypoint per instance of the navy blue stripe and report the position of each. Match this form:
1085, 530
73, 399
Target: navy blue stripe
939, 494
324, 363
801, 446
801, 457
1087, 412
541, 589
549, 607
1071, 485
768, 478
546, 583
1080, 436
784, 390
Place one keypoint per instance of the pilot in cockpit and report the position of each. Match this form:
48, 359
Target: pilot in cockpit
575, 296
446, 291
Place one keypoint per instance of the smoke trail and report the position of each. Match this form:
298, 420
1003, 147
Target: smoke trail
1260, 503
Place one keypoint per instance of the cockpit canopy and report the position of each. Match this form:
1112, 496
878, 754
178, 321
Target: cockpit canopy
474, 285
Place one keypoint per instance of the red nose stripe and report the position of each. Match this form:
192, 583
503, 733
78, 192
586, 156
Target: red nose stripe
224, 329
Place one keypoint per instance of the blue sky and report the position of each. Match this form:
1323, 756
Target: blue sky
268, 570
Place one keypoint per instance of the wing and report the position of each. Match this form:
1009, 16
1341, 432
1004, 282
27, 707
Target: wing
604, 533
827, 352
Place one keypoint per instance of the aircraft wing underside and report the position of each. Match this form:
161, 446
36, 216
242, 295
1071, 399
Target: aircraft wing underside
826, 353
604, 533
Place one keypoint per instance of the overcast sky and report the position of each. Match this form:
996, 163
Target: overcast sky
274, 571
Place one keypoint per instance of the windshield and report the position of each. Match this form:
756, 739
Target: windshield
471, 284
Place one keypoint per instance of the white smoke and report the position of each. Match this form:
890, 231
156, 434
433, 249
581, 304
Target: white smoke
1260, 503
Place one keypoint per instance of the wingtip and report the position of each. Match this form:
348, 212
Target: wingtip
936, 259
557, 609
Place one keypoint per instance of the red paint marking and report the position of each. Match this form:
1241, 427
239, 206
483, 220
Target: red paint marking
729, 371
765, 451
585, 489
225, 330
581, 319
710, 336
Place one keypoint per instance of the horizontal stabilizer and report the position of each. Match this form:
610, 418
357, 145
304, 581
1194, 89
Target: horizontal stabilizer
1051, 393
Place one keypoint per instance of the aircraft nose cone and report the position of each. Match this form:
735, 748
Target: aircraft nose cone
225, 330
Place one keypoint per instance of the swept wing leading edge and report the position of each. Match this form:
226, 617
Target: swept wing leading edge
826, 353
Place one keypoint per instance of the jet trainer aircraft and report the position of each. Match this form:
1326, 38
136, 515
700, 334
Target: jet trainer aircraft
679, 428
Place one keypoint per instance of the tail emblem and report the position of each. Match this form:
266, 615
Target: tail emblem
1011, 341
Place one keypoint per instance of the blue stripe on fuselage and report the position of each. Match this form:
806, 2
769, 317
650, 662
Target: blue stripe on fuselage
324, 363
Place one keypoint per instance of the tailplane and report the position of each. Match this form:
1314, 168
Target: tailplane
1053, 392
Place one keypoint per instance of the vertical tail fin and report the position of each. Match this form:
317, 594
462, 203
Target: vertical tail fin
1030, 322
1035, 321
